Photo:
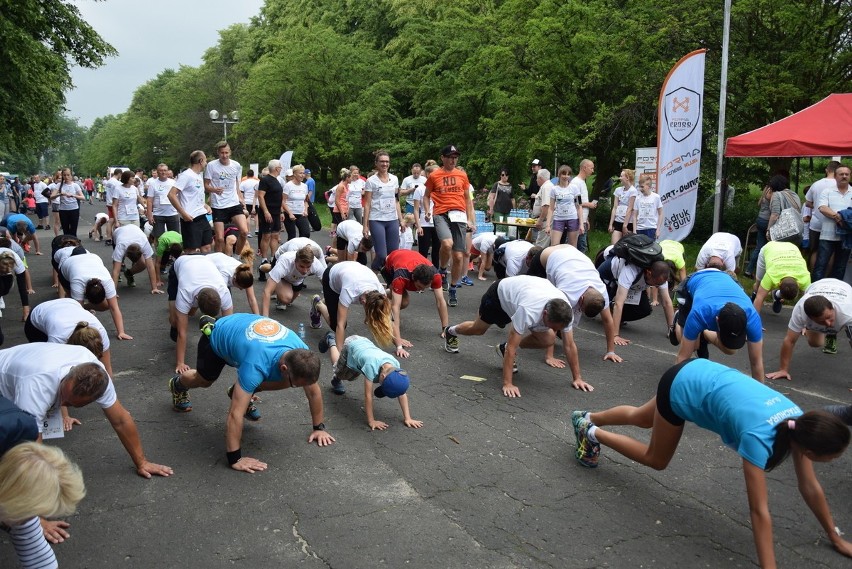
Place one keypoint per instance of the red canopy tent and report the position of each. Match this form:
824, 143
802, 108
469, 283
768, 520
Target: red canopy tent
823, 129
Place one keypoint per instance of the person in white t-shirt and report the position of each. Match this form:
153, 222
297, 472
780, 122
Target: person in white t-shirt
159, 210
40, 378
565, 214
647, 210
90, 284
194, 282
512, 258
427, 237
11, 263
382, 216
238, 273
187, 197
541, 207
351, 244
410, 184
295, 205
69, 193
42, 203
356, 193
483, 246
131, 242
621, 198
248, 188
814, 223
535, 309
287, 278
110, 186
720, 251
221, 182
126, 201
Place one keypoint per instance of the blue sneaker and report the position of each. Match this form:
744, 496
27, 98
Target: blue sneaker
252, 412
327, 342
465, 280
587, 452
316, 317
337, 386
180, 399
453, 302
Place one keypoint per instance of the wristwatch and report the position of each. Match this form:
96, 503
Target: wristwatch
320, 427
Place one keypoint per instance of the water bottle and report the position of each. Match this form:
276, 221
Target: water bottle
301, 331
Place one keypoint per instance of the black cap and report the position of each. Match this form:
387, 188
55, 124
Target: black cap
732, 326
450, 150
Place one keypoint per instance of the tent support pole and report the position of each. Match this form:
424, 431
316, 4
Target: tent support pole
723, 97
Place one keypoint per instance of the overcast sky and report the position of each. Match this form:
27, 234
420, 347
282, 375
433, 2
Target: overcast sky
150, 36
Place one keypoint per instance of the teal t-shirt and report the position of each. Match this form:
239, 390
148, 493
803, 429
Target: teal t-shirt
364, 356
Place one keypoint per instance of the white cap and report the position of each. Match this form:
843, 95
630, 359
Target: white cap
289, 172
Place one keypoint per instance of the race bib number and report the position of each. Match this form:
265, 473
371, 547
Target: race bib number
564, 208
646, 211
634, 295
457, 216
386, 205
621, 211
164, 199
51, 427
130, 209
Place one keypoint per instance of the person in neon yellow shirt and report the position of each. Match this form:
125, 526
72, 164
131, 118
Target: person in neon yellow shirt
780, 266
673, 255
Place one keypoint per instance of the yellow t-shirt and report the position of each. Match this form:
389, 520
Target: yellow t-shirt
673, 251
783, 260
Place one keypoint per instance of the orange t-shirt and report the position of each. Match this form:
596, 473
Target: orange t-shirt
448, 190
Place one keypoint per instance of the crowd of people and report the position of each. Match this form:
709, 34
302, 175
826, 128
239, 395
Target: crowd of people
197, 230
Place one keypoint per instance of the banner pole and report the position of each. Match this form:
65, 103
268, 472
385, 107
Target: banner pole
723, 98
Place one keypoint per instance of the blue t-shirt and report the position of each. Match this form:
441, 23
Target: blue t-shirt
363, 355
742, 411
253, 344
11, 220
312, 188
710, 290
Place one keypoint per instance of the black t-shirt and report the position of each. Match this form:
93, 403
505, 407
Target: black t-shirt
274, 193
532, 187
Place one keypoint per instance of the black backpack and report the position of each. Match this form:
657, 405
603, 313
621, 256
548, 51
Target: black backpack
638, 249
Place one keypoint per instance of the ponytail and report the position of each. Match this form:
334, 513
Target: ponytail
94, 291
820, 432
244, 274
377, 317
87, 336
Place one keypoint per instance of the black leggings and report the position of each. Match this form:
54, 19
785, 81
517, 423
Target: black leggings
301, 223
69, 219
429, 240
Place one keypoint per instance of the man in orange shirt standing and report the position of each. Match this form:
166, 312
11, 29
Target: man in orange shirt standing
447, 187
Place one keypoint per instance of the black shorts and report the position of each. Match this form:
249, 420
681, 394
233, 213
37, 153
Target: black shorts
32, 333
664, 402
619, 226
274, 227
172, 286
224, 215
490, 310
196, 233
208, 363
336, 217
250, 208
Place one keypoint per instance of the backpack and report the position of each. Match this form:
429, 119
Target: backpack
638, 249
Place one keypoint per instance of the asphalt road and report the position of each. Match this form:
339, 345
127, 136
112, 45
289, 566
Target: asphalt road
487, 482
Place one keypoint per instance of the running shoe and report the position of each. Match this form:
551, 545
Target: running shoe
206, 323
180, 399
776, 304
671, 333
848, 329
444, 284
451, 342
587, 452
465, 280
327, 342
703, 351
337, 386
90, 233
252, 412
501, 351
453, 300
316, 317
279, 306
131, 280
830, 344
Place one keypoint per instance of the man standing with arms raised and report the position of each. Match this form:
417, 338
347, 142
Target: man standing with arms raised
447, 187
221, 181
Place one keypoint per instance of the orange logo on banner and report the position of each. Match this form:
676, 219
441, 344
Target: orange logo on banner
684, 104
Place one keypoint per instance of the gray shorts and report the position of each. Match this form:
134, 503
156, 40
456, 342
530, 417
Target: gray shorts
446, 229
341, 370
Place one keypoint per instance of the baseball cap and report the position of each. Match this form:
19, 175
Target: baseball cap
732, 326
307, 170
536, 162
394, 385
449, 150
288, 172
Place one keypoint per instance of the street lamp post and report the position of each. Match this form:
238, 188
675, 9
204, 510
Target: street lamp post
225, 120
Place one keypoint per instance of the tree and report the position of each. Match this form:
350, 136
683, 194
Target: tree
41, 40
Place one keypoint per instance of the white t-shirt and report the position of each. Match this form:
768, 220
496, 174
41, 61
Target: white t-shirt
68, 196
514, 255
646, 210
62, 254
351, 279
581, 192
79, 269
814, 192
30, 375
285, 269
53, 187
58, 319
523, 298
294, 197
109, 189
628, 275
158, 193
484, 242
418, 196
196, 272
410, 182
125, 208
101, 215
836, 201
352, 232
226, 265
38, 188
406, 238
191, 192
128, 235
299, 242
249, 187
226, 177
838, 293
542, 198
382, 196
356, 188
564, 202
19, 263
573, 273
723, 245
621, 198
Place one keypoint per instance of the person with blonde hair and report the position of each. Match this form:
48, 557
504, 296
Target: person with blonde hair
295, 205
36, 481
346, 282
340, 208
621, 198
